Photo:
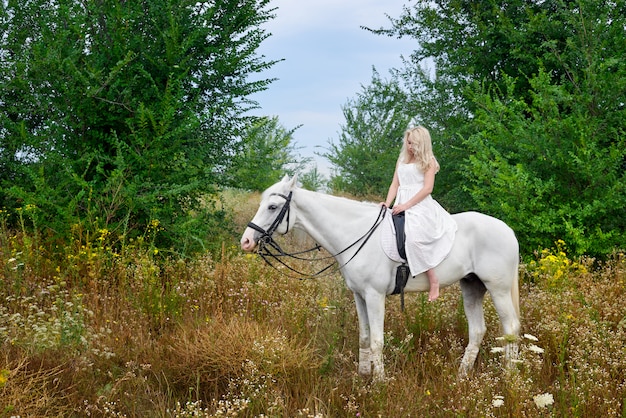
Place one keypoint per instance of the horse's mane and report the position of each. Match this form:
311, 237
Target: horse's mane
278, 188
355, 209
342, 199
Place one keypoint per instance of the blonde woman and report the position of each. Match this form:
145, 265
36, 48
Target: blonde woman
429, 228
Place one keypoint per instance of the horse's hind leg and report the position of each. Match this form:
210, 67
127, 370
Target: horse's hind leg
473, 291
509, 318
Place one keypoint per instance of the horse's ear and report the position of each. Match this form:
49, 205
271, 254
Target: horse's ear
294, 182
285, 179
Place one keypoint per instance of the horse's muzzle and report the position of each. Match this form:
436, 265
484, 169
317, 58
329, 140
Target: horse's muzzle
248, 240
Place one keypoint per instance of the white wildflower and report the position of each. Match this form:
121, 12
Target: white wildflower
498, 401
497, 349
535, 349
531, 337
544, 400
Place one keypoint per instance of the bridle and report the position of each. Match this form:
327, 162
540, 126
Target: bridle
266, 236
269, 248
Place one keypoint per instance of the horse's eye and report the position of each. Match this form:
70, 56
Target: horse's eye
272, 207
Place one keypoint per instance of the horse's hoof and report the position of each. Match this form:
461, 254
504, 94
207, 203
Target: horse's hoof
364, 372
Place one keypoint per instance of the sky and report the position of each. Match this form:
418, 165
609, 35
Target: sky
327, 60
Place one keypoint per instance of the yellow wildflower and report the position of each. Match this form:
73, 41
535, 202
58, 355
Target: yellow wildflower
4, 377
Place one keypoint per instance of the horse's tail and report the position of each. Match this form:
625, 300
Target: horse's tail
515, 291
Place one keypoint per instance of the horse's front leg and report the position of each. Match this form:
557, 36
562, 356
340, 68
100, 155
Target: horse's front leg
375, 303
365, 361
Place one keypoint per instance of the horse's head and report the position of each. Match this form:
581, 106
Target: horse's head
273, 215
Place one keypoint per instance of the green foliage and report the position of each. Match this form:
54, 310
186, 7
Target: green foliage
480, 41
119, 113
267, 153
525, 106
555, 163
370, 140
313, 180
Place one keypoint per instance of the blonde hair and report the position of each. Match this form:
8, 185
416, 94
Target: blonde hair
422, 148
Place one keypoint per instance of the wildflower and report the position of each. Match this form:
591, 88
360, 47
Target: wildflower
498, 401
535, 349
531, 337
4, 376
497, 349
544, 400
104, 233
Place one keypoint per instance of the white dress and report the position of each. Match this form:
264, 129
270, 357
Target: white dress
429, 228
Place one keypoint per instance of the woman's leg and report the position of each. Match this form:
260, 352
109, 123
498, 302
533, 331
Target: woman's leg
433, 293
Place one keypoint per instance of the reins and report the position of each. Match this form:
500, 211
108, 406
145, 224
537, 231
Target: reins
267, 244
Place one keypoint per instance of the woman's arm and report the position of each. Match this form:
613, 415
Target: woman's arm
393, 189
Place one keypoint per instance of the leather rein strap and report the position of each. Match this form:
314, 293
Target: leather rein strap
269, 248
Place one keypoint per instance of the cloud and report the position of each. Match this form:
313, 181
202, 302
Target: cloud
299, 16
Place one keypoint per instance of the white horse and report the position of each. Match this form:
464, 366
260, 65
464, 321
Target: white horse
484, 257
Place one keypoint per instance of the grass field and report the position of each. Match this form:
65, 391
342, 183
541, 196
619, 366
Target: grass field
89, 328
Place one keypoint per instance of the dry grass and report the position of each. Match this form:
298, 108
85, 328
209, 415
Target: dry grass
85, 331
35, 389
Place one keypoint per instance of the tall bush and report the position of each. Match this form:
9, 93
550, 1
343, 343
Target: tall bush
551, 160
525, 104
119, 113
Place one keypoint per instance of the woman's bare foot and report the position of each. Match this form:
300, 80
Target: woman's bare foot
433, 293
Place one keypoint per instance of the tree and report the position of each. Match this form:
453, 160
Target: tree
369, 143
556, 168
267, 153
125, 111
313, 179
528, 99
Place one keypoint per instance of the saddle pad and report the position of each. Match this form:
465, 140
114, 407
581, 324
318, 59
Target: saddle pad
388, 238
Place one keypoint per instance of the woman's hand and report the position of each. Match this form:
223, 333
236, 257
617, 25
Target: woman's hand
399, 208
